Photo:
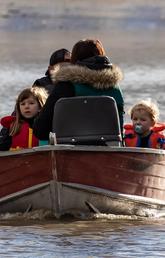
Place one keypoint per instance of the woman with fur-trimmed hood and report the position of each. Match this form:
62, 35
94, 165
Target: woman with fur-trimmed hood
89, 74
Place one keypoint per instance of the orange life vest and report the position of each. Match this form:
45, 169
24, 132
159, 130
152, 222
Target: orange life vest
156, 139
24, 139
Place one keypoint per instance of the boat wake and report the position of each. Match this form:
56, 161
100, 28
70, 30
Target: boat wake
47, 215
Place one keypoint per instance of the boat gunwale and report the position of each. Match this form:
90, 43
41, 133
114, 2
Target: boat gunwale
65, 147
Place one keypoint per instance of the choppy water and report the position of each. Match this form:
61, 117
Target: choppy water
133, 34
108, 237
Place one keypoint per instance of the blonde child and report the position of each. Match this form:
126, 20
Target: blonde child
17, 130
145, 131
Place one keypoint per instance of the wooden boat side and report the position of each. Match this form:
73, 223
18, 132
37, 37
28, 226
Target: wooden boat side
24, 169
125, 171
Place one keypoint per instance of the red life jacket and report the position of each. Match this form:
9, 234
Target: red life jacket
156, 139
24, 139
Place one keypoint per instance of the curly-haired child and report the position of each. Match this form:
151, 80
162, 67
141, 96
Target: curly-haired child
145, 131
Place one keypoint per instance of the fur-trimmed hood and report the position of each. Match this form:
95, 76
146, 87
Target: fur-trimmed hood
100, 76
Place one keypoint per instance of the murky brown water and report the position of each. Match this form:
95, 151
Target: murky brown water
109, 236
133, 34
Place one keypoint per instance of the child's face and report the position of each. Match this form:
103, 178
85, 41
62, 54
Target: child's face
29, 107
142, 118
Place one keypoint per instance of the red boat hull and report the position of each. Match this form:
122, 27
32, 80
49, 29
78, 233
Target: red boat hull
64, 178
124, 172
19, 172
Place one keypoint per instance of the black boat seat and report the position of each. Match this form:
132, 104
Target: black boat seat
90, 120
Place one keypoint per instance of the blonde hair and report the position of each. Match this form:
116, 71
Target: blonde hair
39, 93
148, 106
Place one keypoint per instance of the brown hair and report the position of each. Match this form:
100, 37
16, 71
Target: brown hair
147, 106
39, 93
86, 48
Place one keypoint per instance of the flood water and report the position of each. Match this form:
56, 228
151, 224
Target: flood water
133, 34
91, 238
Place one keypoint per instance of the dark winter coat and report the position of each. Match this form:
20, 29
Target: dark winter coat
44, 82
93, 76
5, 139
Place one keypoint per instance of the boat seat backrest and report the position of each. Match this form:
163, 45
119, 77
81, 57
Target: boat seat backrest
88, 120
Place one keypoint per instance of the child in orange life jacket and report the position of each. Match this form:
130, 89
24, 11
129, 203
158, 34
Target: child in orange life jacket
19, 132
144, 130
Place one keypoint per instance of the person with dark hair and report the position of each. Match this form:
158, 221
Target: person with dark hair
90, 74
57, 59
